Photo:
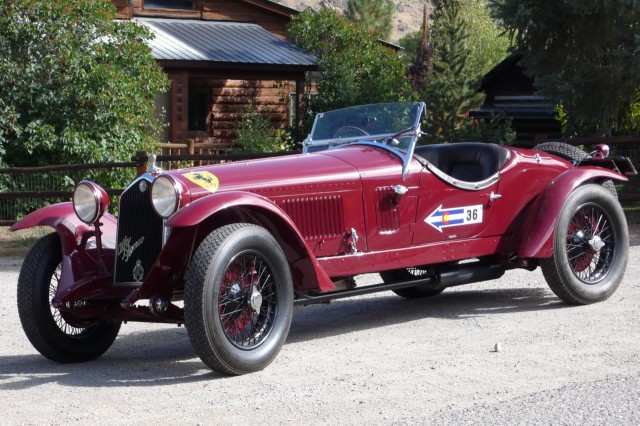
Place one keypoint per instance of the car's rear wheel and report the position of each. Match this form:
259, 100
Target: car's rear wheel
407, 274
591, 247
573, 154
238, 299
56, 335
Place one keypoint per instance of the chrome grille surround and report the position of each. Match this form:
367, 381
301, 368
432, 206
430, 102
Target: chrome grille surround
140, 232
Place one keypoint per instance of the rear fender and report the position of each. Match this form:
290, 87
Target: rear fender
535, 235
307, 274
76, 261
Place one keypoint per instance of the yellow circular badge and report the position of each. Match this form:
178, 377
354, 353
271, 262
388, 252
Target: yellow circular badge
207, 180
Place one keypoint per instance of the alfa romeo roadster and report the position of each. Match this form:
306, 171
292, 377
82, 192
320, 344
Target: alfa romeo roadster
229, 250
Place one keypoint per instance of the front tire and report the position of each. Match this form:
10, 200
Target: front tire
591, 247
54, 334
238, 299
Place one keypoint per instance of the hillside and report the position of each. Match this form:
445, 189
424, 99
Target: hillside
408, 16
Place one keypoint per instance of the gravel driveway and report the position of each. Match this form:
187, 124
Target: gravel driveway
376, 359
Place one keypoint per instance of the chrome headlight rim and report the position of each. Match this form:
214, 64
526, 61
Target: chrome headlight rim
90, 201
169, 201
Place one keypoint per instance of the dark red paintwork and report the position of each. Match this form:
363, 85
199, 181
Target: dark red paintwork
312, 204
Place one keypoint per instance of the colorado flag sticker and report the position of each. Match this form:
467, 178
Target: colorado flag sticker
454, 216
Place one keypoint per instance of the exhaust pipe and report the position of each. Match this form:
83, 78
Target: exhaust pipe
468, 273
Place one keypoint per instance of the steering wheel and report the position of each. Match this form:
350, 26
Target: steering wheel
350, 131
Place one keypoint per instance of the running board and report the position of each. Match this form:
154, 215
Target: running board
307, 299
448, 276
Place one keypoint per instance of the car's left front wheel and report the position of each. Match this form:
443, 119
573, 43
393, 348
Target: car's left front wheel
56, 335
238, 299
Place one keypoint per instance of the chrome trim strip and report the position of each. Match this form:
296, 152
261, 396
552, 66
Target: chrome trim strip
462, 184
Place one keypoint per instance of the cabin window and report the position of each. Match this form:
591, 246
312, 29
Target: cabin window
199, 106
169, 4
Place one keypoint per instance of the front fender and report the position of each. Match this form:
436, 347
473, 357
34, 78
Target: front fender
203, 208
306, 271
535, 236
63, 219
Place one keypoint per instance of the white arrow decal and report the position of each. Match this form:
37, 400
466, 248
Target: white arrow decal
454, 216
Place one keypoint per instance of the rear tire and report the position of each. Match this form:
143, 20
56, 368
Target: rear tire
590, 247
56, 335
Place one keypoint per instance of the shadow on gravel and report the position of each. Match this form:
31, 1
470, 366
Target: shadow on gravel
164, 356
349, 315
151, 358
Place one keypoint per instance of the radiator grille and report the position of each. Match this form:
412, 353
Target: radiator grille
139, 233
317, 217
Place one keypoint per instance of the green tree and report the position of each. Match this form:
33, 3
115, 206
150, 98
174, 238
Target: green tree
582, 55
631, 121
450, 90
75, 85
354, 68
255, 133
375, 15
487, 44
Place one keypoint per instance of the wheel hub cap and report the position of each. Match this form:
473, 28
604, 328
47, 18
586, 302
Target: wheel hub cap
256, 300
596, 243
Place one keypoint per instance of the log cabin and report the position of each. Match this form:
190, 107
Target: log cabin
221, 57
511, 91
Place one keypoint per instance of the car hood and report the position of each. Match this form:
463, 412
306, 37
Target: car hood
293, 174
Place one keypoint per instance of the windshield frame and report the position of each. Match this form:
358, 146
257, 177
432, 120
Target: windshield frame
385, 140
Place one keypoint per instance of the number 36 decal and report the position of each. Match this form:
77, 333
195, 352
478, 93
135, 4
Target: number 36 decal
455, 216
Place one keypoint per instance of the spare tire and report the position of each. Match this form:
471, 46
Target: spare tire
573, 154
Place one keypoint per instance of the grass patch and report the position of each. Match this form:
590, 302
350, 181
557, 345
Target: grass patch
18, 243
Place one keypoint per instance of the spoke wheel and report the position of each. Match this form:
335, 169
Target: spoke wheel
591, 244
238, 299
591, 247
247, 300
61, 323
54, 334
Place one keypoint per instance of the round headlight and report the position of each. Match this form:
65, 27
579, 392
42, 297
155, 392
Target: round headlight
166, 196
89, 201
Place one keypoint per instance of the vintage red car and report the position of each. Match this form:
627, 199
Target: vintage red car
228, 250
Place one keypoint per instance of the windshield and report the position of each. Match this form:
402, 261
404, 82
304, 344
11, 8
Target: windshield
394, 126
375, 123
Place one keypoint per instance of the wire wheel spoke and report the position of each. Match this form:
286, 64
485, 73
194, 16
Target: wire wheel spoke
60, 321
590, 243
247, 277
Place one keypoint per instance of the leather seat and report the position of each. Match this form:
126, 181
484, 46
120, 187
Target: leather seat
466, 161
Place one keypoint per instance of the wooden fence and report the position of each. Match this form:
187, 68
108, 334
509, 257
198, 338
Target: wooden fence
34, 187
